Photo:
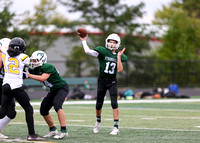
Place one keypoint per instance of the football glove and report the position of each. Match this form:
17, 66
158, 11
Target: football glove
25, 72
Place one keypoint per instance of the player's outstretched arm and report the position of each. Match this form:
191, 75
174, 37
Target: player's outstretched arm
41, 78
87, 50
119, 62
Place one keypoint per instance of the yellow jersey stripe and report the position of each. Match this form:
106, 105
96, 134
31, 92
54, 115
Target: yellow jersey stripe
24, 57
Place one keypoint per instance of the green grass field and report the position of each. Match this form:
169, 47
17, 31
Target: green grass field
139, 123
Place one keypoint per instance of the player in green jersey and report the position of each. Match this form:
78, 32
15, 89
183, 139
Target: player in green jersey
44, 72
110, 62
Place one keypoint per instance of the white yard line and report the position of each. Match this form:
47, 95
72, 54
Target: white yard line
130, 116
156, 109
148, 109
137, 101
127, 101
132, 128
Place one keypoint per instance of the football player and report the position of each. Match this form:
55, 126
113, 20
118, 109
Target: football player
110, 63
14, 60
4, 42
45, 72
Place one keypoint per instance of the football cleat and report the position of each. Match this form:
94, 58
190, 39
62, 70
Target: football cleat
61, 135
115, 131
3, 136
34, 138
96, 127
51, 133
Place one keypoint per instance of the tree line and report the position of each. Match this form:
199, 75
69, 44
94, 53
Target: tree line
180, 40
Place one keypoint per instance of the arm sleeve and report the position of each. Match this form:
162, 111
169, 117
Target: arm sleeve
88, 51
3, 49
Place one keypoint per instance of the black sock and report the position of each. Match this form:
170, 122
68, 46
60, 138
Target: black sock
63, 129
52, 128
98, 118
116, 123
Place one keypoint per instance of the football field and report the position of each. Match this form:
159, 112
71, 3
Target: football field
141, 121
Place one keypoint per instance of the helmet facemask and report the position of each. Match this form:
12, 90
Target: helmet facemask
33, 63
110, 47
37, 59
113, 37
14, 50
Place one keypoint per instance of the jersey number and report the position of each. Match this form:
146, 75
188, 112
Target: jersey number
112, 65
12, 68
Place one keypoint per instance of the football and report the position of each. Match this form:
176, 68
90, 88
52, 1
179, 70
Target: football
82, 32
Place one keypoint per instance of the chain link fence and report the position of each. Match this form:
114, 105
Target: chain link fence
139, 73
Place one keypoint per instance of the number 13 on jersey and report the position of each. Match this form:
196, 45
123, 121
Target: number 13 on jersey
110, 65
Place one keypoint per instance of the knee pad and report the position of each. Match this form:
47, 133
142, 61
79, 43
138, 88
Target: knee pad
114, 103
43, 112
99, 102
99, 105
57, 107
12, 114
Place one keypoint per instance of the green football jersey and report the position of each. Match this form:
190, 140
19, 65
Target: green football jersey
55, 81
108, 62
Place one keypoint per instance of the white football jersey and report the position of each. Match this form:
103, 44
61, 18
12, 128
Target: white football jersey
13, 67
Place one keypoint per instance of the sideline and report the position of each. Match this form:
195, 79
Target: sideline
126, 101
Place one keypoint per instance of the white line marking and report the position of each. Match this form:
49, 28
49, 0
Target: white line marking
132, 128
126, 101
110, 119
133, 116
121, 108
149, 118
76, 120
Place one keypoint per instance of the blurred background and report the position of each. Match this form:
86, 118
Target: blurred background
162, 38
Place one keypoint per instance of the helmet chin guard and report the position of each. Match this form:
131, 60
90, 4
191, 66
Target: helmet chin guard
114, 37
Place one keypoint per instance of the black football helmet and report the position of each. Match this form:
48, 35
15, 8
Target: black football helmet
17, 46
